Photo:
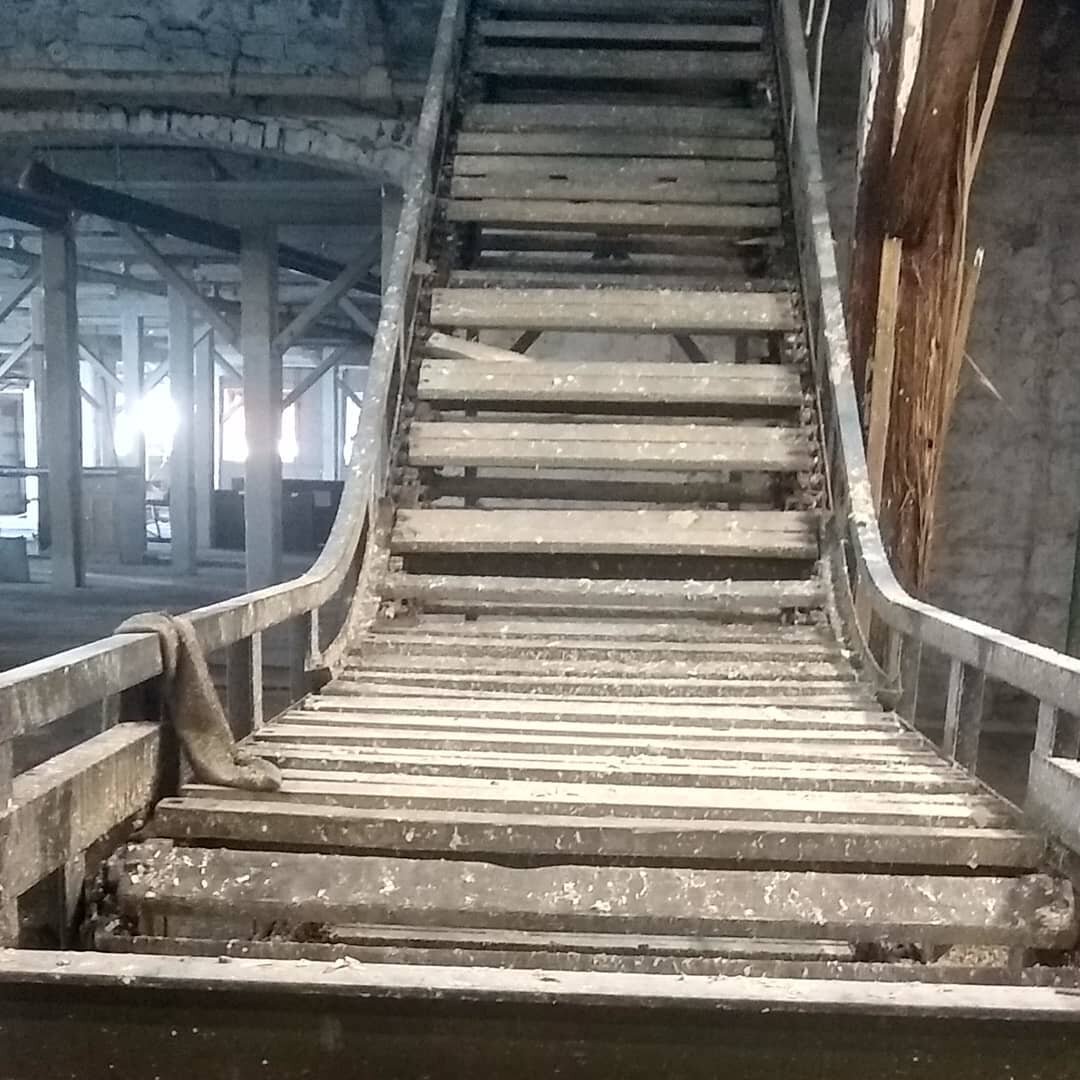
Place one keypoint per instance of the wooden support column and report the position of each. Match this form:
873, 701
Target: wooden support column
205, 438
182, 507
262, 406
133, 367
63, 407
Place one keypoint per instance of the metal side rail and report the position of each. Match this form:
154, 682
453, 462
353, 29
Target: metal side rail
598, 778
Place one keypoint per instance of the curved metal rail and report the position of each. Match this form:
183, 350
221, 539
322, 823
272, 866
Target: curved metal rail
39, 693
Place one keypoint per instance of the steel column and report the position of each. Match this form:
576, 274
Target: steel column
63, 407
205, 440
182, 504
262, 406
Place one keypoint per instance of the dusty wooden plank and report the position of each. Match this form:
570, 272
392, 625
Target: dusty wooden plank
554, 213
900, 751
1032, 910
1010, 1006
692, 632
728, 533
715, 732
553, 642
615, 446
570, 144
806, 962
595, 799
624, 310
63, 806
670, 738
711, 10
868, 776
807, 726
627, 276
554, 597
554, 648
604, 597
614, 382
819, 693
669, 65
522, 708
687, 120
534, 30
388, 665
623, 189
652, 169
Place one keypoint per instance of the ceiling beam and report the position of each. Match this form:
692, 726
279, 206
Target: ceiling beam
94, 199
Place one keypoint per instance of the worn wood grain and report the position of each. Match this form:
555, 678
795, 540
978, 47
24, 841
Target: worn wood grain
688, 65
614, 310
772, 534
1029, 910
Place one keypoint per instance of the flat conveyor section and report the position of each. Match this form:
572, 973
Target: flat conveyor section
600, 719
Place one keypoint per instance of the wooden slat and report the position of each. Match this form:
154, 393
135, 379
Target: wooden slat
615, 446
389, 790
613, 310
719, 732
614, 382
625, 167
742, 683
690, 631
690, 670
686, 120
717, 10
826, 694
612, 31
269, 887
621, 215
868, 776
629, 189
585, 276
684, 65
746, 747
631, 711
683, 598
686, 148
554, 647
339, 703
718, 533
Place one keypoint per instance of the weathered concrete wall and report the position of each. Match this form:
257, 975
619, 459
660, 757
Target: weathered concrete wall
301, 37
